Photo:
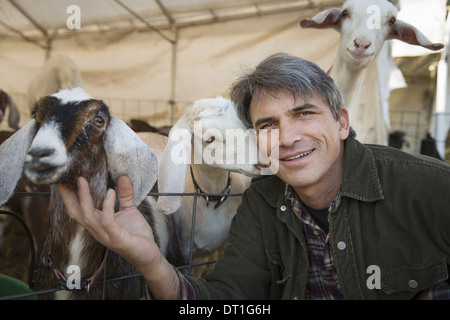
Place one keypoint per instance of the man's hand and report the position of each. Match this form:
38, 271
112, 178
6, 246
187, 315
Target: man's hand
126, 232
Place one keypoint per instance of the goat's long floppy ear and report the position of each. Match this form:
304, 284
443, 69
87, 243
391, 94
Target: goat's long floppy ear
128, 155
330, 18
174, 166
405, 32
12, 154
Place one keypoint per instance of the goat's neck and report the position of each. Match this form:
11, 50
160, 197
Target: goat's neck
348, 79
210, 179
67, 242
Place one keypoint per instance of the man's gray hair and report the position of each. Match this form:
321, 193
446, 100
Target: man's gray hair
284, 72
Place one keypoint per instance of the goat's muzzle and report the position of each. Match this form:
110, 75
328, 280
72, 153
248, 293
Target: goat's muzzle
44, 165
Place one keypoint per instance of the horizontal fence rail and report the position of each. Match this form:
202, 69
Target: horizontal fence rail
102, 281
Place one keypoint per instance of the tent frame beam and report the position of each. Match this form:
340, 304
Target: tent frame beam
148, 25
44, 32
29, 18
166, 12
28, 39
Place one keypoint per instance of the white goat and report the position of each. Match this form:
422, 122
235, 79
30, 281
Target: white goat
364, 26
74, 135
204, 132
59, 72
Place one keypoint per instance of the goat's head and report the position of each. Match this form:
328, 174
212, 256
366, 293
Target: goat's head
74, 135
208, 133
220, 138
69, 140
364, 26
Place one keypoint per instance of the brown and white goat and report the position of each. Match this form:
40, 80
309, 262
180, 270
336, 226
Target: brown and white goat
74, 135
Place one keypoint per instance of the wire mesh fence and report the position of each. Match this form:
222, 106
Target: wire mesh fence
416, 126
186, 269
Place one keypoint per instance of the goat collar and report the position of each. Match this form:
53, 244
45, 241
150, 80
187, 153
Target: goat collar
62, 280
214, 198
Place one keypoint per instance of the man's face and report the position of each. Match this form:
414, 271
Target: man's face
310, 143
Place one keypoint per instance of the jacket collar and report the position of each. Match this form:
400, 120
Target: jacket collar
361, 180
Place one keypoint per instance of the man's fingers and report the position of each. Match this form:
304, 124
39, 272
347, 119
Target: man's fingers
107, 217
84, 195
125, 193
71, 201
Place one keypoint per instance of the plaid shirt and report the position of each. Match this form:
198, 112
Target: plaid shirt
323, 281
187, 291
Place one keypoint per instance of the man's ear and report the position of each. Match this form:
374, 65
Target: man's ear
344, 124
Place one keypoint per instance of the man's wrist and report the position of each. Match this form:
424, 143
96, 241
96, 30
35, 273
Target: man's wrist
162, 280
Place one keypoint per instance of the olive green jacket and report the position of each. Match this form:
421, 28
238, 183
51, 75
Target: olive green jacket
389, 226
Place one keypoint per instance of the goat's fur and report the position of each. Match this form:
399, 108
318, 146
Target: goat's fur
357, 56
157, 142
14, 115
74, 135
215, 116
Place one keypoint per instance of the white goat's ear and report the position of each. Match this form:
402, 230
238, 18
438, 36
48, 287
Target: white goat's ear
174, 166
330, 18
128, 155
407, 33
12, 154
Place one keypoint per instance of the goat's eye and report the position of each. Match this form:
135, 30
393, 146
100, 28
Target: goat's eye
344, 13
392, 21
99, 121
210, 139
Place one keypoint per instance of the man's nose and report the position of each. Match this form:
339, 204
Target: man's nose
288, 135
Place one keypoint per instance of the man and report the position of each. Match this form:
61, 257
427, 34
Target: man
338, 220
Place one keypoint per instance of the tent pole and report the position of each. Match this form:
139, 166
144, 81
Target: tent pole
173, 76
48, 49
440, 124
173, 64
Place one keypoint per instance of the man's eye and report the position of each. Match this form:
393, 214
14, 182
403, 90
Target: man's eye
265, 126
304, 113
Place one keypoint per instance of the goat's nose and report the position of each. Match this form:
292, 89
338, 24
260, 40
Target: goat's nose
41, 152
261, 166
362, 43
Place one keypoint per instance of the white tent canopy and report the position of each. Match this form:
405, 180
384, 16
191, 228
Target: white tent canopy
161, 50
45, 19
160, 55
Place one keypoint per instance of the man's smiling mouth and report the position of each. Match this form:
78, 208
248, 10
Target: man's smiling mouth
298, 156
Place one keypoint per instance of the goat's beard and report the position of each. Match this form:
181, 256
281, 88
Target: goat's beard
358, 61
42, 175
